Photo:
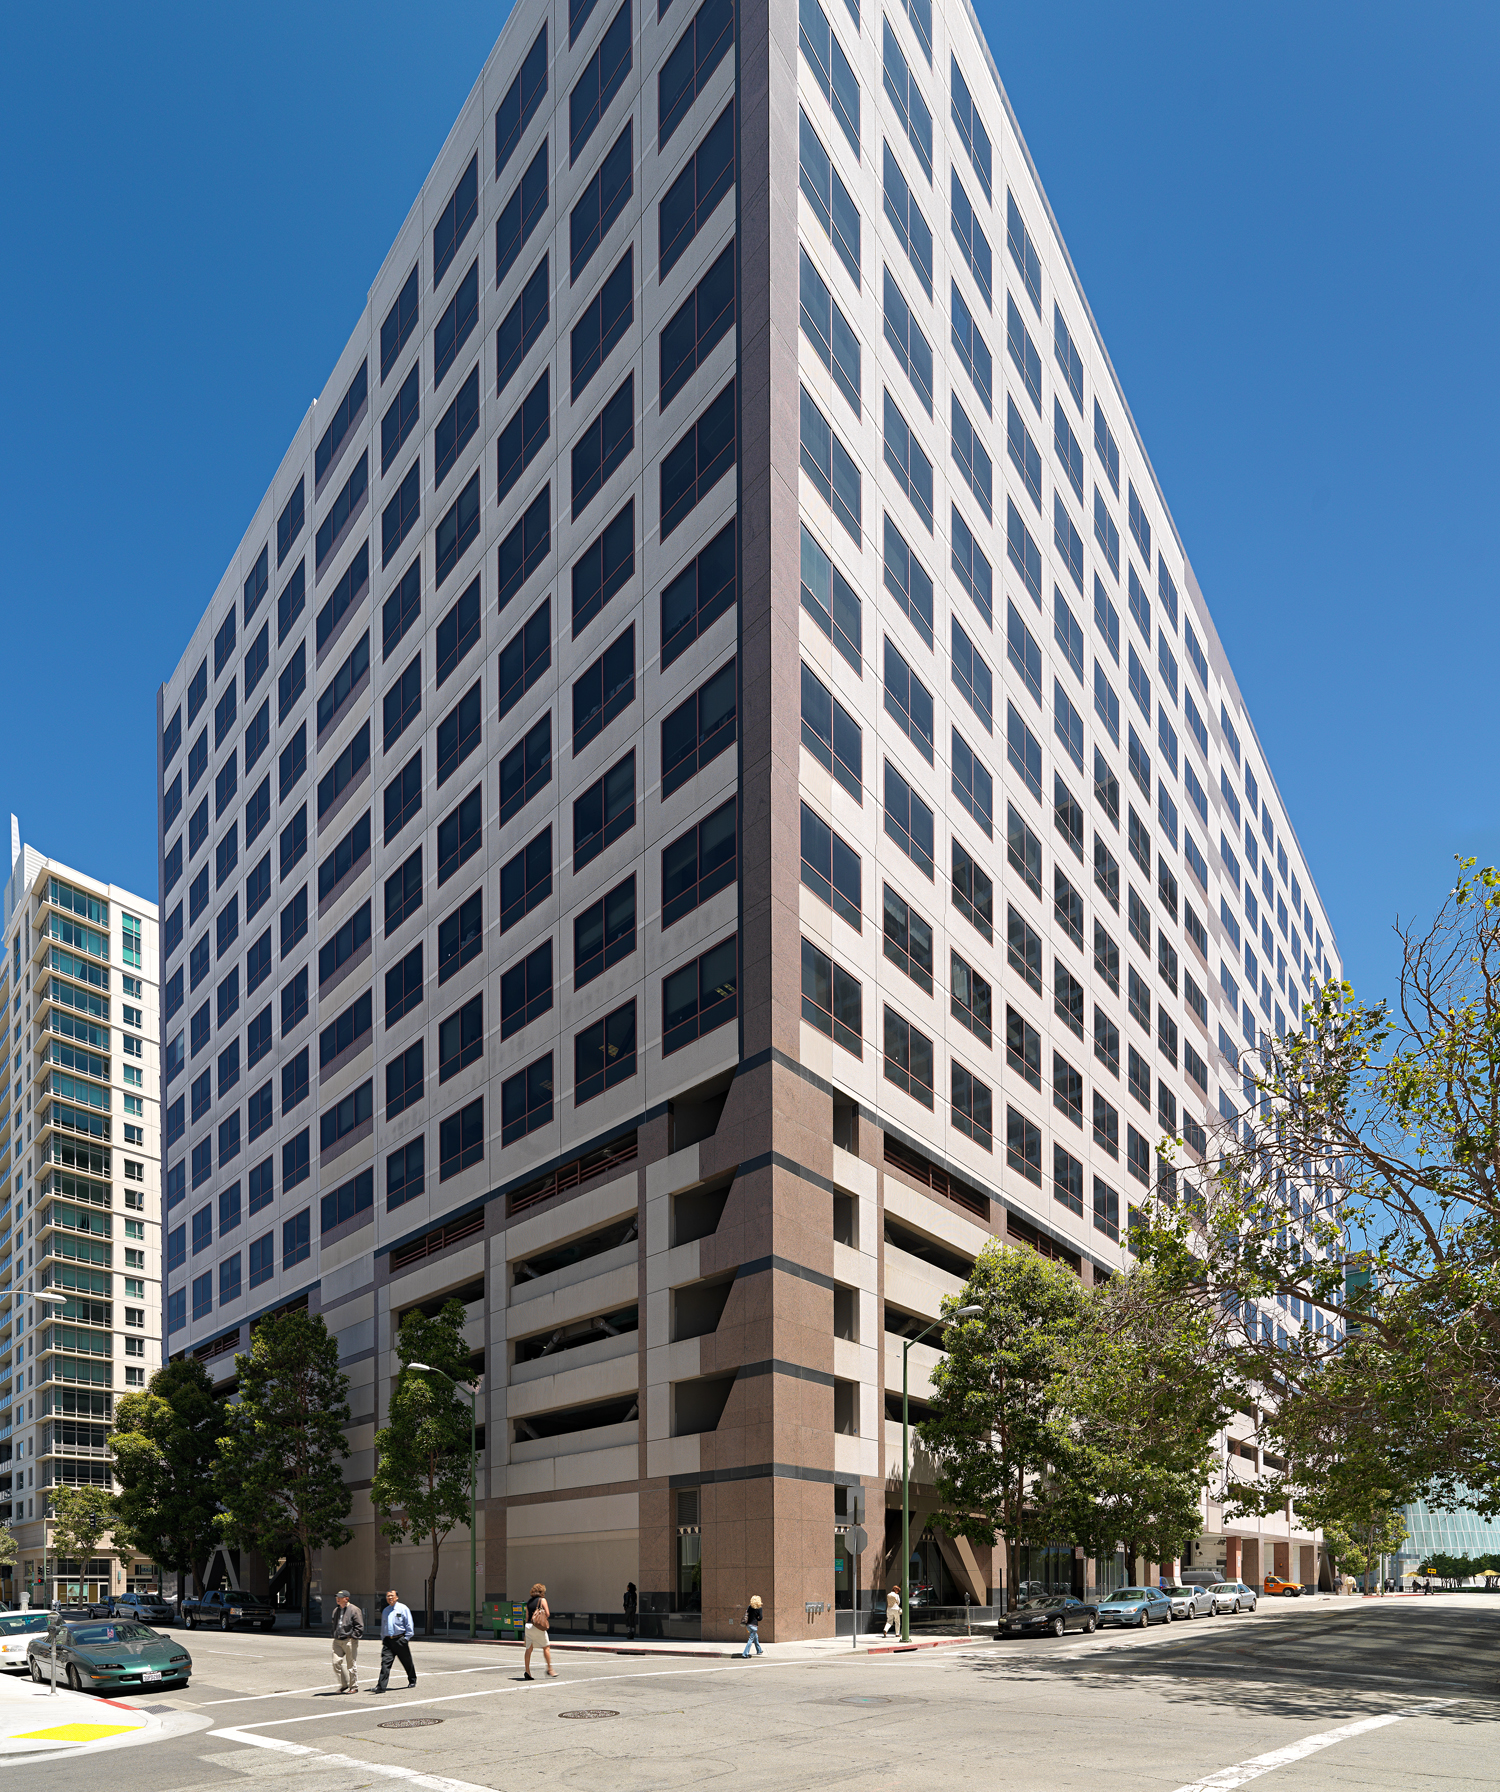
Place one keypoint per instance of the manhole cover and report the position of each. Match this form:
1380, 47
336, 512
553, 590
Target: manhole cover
409, 1723
588, 1714
872, 1698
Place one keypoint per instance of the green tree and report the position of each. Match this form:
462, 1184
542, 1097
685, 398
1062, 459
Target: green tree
998, 1422
1359, 1189
1357, 1550
1350, 1464
1144, 1408
280, 1476
80, 1517
421, 1483
165, 1445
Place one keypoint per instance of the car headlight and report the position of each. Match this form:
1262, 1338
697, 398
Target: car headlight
172, 1658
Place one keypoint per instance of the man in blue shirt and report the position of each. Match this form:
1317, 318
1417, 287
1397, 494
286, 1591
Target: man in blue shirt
396, 1632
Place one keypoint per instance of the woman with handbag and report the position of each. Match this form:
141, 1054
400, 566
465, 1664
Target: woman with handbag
538, 1625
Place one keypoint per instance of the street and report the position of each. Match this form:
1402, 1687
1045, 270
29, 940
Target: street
1408, 1689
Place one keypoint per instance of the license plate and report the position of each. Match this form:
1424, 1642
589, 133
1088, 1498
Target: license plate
150, 1673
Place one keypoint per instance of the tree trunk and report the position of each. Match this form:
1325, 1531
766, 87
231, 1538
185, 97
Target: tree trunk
437, 1544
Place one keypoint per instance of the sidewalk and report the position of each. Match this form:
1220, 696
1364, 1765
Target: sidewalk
33, 1722
811, 1648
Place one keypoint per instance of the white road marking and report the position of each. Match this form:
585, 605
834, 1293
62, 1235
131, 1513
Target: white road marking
316, 1757
329, 1690
1230, 1777
563, 1683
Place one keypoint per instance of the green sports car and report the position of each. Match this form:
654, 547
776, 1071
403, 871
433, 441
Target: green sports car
106, 1655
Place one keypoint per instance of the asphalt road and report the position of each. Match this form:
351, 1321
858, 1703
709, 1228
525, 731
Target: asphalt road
1384, 1697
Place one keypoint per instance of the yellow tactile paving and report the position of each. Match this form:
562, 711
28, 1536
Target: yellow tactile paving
74, 1733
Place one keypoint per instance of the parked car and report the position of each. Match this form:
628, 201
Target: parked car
146, 1608
16, 1632
1233, 1596
229, 1610
1189, 1601
1056, 1614
1138, 1606
110, 1654
1286, 1589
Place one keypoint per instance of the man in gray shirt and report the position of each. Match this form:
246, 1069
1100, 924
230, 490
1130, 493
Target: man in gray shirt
348, 1628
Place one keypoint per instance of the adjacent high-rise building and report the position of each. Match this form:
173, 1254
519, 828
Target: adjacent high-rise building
80, 1201
708, 790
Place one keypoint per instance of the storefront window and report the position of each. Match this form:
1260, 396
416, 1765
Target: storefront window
1043, 1570
1109, 1573
932, 1581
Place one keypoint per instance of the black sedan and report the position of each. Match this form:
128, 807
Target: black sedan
1054, 1614
146, 1608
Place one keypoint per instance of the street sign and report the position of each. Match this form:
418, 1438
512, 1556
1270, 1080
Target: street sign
859, 1538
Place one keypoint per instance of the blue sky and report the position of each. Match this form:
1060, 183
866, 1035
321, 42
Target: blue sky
1283, 217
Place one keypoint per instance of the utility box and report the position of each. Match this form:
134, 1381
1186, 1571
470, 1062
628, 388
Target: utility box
507, 1617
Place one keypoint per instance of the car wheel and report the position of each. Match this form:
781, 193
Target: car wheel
74, 1679
223, 1620
187, 1620
1059, 1625
36, 1670
1090, 1625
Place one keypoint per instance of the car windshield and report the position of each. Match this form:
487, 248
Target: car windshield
19, 1623
87, 1634
1126, 1595
1224, 1586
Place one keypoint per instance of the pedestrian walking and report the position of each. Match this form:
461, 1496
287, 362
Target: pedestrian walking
752, 1624
348, 1628
632, 1605
538, 1630
892, 1612
396, 1632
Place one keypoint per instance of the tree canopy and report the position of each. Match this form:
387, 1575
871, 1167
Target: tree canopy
81, 1516
165, 1445
280, 1477
1340, 1229
1061, 1411
421, 1485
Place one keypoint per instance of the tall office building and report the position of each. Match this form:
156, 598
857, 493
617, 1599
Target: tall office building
708, 790
80, 1200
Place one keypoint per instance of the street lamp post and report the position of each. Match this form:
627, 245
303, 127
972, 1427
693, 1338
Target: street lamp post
961, 1313
427, 1369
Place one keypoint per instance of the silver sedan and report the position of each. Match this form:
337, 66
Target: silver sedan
1233, 1596
1190, 1602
